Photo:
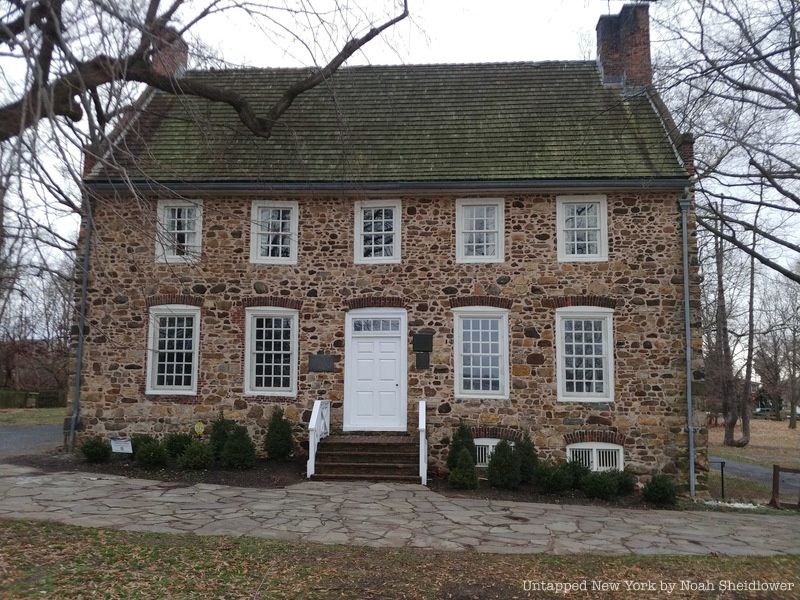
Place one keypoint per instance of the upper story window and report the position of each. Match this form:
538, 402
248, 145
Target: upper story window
179, 231
480, 230
377, 231
585, 354
273, 232
271, 351
582, 228
172, 349
481, 352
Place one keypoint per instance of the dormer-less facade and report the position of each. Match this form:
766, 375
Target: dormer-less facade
501, 241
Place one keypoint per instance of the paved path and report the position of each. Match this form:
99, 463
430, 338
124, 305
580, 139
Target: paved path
790, 483
29, 439
383, 515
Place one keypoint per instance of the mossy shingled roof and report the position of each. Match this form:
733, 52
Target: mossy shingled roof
409, 123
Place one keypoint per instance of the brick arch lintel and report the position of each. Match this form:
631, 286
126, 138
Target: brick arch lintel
595, 435
581, 300
495, 301
494, 432
187, 299
278, 301
374, 302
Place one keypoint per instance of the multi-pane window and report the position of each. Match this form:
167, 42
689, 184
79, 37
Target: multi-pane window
377, 232
481, 354
585, 354
179, 231
582, 228
480, 230
273, 234
271, 352
172, 349
597, 456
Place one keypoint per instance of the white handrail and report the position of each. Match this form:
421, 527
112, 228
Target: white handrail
423, 444
319, 426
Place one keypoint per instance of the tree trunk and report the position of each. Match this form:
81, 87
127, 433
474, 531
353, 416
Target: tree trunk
723, 349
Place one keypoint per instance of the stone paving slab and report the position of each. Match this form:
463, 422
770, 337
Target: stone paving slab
384, 515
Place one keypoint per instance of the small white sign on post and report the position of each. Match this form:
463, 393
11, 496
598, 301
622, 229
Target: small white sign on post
122, 446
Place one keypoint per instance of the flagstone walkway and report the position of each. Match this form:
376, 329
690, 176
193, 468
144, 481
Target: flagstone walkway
383, 515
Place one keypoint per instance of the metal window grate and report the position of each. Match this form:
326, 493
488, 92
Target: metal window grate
483, 452
596, 456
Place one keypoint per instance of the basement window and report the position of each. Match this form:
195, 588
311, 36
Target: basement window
597, 456
484, 448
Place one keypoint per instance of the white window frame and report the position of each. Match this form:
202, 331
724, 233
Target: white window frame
500, 205
255, 233
164, 252
561, 215
595, 447
171, 310
481, 312
585, 312
358, 239
269, 311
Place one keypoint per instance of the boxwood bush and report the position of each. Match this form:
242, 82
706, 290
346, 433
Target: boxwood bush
552, 479
239, 452
196, 456
176, 443
96, 450
661, 490
627, 483
603, 485
464, 476
140, 440
151, 455
577, 472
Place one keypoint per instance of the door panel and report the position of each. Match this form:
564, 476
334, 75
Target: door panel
375, 383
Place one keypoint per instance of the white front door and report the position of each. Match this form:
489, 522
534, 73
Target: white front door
375, 370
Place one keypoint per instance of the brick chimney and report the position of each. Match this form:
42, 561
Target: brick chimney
170, 53
623, 47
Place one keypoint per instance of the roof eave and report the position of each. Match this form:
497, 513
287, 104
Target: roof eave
595, 184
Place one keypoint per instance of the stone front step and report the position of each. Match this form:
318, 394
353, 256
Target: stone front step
392, 457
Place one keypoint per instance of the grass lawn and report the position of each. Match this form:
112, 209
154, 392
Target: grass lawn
32, 416
770, 442
47, 560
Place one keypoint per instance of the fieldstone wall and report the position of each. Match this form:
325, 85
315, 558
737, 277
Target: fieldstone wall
641, 281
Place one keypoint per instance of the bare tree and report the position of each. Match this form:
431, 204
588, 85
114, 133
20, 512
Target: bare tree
730, 73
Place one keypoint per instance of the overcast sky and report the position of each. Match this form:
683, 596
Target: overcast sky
440, 31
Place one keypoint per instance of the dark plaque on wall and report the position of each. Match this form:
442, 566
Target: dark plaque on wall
423, 342
423, 360
320, 363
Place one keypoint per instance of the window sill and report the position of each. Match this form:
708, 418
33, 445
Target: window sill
472, 261
462, 396
274, 262
587, 259
269, 394
149, 392
177, 260
362, 261
583, 399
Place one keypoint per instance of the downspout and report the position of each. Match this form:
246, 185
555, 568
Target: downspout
76, 405
684, 204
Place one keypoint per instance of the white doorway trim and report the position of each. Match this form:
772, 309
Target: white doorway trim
401, 422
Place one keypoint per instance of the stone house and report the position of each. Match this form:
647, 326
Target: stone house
500, 241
